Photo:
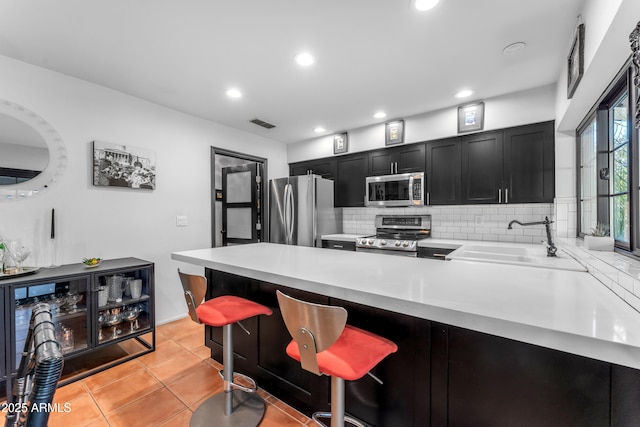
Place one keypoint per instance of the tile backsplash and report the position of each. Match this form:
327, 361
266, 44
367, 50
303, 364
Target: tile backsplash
487, 222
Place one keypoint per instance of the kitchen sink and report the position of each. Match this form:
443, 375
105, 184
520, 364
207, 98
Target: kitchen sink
532, 255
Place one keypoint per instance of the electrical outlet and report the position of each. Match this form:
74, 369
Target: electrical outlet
181, 221
478, 219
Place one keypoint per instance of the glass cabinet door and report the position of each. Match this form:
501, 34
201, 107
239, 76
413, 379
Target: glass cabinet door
68, 303
123, 305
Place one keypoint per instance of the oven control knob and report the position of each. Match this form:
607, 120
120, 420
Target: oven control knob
397, 243
383, 243
405, 244
370, 241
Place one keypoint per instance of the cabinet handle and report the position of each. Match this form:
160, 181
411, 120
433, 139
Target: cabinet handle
391, 168
499, 195
428, 198
338, 246
506, 195
440, 255
396, 167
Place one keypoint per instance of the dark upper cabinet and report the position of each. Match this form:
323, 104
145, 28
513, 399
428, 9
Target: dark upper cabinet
326, 168
350, 180
514, 165
405, 159
481, 168
443, 172
529, 164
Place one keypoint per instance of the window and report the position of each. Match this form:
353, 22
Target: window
619, 169
608, 165
588, 172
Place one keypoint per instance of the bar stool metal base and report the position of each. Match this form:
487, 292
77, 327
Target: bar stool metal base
248, 411
347, 419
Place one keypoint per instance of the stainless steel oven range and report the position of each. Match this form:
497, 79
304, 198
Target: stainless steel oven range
396, 235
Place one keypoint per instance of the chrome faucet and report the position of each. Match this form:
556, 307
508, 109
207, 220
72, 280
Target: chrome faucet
551, 248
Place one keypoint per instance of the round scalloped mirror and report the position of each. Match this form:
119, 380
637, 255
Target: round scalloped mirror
33, 153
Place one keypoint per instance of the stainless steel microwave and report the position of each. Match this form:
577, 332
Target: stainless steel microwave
403, 189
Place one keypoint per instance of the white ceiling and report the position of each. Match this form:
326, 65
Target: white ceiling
371, 54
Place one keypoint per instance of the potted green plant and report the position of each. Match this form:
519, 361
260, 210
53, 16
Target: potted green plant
600, 239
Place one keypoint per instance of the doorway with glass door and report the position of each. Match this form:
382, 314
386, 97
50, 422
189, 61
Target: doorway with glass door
237, 200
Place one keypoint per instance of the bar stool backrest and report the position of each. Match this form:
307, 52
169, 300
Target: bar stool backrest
314, 327
195, 287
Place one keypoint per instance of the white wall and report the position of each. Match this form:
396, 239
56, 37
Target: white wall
514, 109
114, 222
608, 24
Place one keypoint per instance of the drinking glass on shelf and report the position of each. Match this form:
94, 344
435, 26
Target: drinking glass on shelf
136, 288
102, 317
18, 253
67, 343
73, 299
131, 316
113, 319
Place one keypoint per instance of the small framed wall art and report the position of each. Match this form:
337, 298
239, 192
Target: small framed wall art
340, 143
575, 61
394, 132
471, 117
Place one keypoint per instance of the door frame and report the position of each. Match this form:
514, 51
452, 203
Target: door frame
263, 196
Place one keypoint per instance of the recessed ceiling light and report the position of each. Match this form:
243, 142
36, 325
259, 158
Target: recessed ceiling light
513, 48
305, 59
424, 5
319, 129
234, 93
464, 93
380, 115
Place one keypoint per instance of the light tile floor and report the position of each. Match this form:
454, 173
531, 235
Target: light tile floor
162, 388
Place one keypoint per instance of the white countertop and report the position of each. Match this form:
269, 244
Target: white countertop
564, 310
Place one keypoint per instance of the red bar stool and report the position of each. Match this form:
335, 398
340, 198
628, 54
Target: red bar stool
324, 344
237, 405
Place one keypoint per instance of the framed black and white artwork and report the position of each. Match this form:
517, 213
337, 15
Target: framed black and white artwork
340, 143
116, 165
575, 61
471, 117
394, 132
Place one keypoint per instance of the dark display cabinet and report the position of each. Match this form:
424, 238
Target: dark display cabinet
87, 321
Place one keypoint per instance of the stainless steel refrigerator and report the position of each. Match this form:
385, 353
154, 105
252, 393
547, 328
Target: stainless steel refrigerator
301, 210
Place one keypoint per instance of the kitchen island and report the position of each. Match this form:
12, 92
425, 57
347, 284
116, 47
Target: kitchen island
497, 344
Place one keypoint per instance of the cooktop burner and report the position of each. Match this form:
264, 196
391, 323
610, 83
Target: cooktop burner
397, 233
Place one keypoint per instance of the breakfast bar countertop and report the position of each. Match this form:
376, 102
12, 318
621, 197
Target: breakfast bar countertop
564, 310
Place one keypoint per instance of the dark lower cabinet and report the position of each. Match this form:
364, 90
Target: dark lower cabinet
484, 380
392, 403
441, 375
339, 245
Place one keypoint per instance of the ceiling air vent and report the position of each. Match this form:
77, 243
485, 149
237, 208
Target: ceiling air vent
262, 123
